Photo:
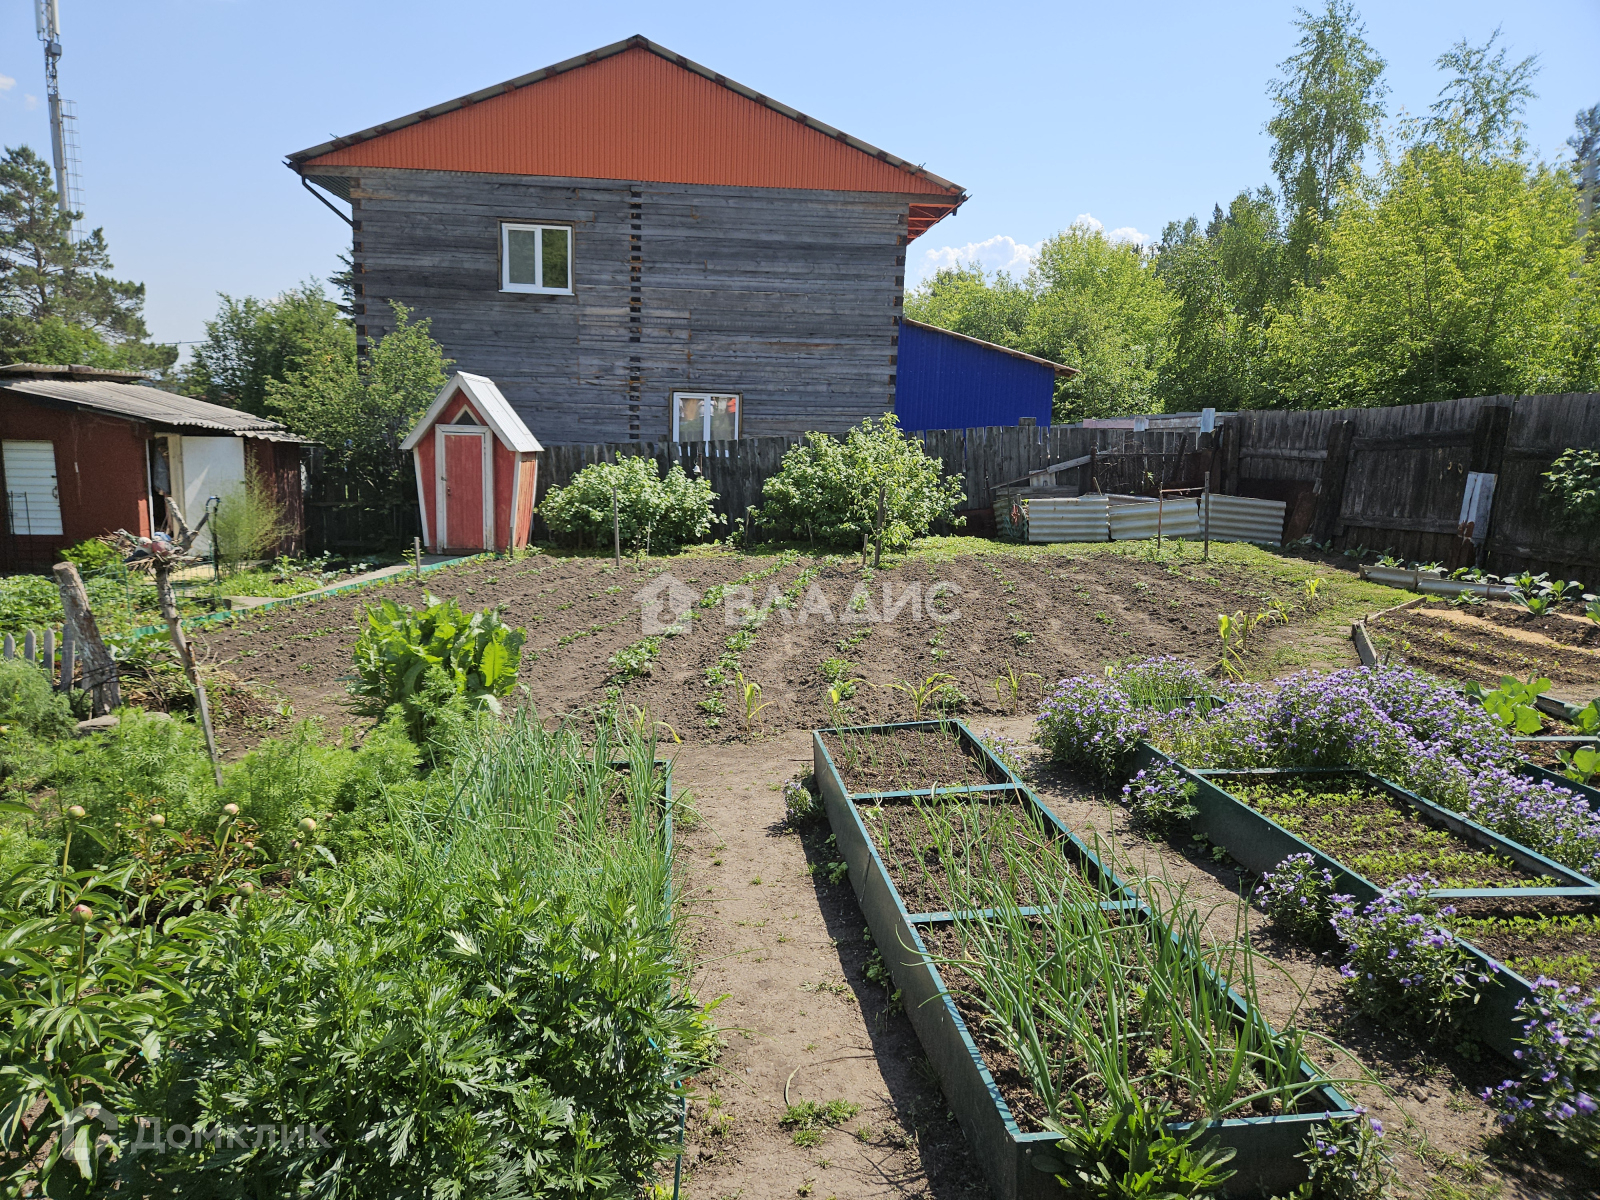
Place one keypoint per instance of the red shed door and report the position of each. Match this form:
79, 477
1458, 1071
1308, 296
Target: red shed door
463, 491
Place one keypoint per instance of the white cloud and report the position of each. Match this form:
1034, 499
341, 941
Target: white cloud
1125, 234
30, 102
7, 83
999, 253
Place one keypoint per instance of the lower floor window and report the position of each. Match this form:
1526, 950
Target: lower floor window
705, 416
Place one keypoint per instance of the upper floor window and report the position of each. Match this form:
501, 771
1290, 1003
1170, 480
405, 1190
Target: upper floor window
536, 258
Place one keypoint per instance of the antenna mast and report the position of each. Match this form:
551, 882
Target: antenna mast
63, 117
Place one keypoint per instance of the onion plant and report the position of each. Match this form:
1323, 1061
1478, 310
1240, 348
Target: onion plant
1114, 1003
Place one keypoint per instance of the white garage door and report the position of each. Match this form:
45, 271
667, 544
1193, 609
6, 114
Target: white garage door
33, 506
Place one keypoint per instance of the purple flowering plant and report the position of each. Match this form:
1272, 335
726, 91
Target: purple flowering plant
1089, 723
1160, 799
1347, 1160
1298, 898
1557, 1098
1403, 967
1161, 682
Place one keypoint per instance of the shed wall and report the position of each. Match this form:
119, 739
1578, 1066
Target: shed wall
100, 468
789, 297
947, 382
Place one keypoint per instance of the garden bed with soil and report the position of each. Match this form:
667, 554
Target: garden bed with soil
1457, 644
1375, 833
1553, 937
908, 758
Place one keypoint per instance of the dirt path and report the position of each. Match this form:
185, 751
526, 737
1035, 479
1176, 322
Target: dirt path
785, 946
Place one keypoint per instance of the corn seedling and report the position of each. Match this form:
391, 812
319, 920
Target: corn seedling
1011, 683
1310, 594
750, 700
931, 691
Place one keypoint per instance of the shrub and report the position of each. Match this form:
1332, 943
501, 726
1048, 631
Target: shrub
801, 805
1160, 800
1573, 481
652, 512
827, 489
92, 555
1403, 968
1298, 898
1131, 1151
1346, 1160
1558, 1096
434, 662
1089, 723
250, 520
28, 702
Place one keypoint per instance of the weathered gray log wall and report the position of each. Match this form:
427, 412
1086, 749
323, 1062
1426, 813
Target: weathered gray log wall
788, 297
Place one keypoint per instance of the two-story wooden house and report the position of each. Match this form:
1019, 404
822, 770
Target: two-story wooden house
633, 246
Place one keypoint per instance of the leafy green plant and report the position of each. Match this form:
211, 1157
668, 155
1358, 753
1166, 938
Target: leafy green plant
430, 661
1346, 1160
829, 489
1010, 684
750, 702
801, 804
250, 521
652, 511
808, 1119
1573, 483
27, 701
1130, 1154
1512, 703
1580, 765
932, 692
1591, 608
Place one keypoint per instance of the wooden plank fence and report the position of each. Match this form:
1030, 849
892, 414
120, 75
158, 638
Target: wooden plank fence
50, 649
1391, 479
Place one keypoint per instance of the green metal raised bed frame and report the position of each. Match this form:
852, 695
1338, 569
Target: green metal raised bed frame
1259, 844
1020, 1165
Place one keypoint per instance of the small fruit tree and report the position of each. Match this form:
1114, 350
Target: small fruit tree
837, 491
651, 511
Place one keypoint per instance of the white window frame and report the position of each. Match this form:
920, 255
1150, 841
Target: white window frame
506, 229
705, 416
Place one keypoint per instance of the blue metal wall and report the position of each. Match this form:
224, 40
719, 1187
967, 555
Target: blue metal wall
943, 382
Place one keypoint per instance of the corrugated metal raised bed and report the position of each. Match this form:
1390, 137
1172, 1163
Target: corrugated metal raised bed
1068, 519
1259, 844
1023, 1164
1135, 517
1242, 519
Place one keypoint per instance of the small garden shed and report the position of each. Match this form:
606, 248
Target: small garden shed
476, 471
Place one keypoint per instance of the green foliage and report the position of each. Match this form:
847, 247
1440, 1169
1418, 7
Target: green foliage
801, 803
432, 662
1328, 105
360, 413
28, 702
251, 342
57, 302
1347, 1160
345, 788
250, 520
1573, 481
652, 512
1512, 703
92, 555
1130, 1154
808, 1119
828, 489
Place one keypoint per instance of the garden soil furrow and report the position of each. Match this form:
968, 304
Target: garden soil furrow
1505, 641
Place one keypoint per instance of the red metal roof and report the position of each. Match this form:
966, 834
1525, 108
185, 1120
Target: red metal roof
637, 111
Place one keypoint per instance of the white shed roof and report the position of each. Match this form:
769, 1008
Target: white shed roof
486, 398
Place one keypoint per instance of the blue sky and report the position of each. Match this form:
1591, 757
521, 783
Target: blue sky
1129, 114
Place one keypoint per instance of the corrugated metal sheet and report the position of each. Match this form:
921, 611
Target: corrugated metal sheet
1246, 519
1068, 519
948, 382
633, 114
1134, 518
149, 404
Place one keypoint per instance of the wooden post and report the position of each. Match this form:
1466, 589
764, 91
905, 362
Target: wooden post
1205, 515
169, 611
1330, 497
877, 546
616, 531
99, 668
68, 659
416, 548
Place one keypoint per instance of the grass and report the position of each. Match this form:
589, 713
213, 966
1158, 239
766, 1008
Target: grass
808, 1119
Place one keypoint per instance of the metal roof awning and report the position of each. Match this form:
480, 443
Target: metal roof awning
136, 402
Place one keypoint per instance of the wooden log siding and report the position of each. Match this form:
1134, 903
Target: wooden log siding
789, 297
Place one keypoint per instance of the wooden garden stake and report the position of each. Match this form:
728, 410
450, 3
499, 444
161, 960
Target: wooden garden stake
877, 545
616, 530
416, 548
83, 635
1206, 516
169, 611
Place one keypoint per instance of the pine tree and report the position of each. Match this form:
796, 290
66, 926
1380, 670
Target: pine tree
56, 297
